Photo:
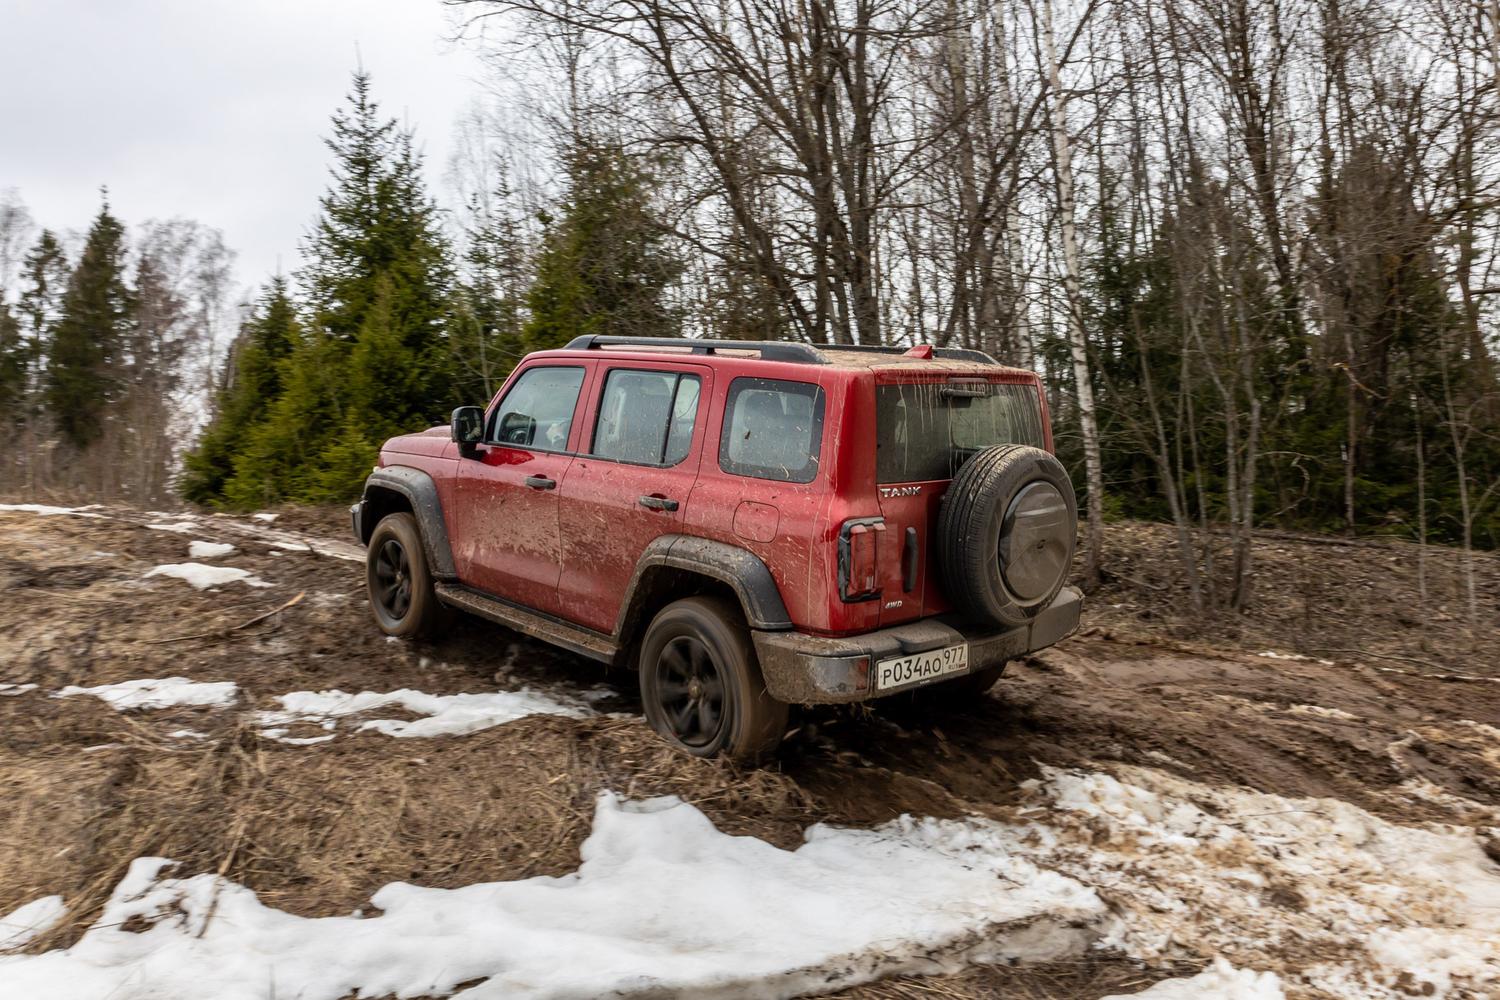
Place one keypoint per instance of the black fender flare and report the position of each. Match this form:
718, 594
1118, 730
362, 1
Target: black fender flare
422, 496
741, 570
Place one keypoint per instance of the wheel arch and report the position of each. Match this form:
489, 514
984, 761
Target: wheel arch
399, 488
675, 566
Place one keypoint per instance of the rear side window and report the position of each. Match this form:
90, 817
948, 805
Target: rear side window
772, 430
537, 412
927, 431
646, 417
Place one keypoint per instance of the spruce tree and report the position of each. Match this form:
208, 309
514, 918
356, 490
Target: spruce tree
250, 383
605, 264
13, 370
375, 361
86, 343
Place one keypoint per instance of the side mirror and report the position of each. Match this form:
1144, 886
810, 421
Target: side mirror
468, 428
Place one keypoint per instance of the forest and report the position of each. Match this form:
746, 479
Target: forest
1250, 245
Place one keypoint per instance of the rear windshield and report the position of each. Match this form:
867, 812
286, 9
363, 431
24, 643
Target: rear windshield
927, 431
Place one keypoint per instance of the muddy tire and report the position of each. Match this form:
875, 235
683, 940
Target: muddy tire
398, 580
701, 684
969, 686
1006, 534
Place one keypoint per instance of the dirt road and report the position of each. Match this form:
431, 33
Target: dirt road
315, 814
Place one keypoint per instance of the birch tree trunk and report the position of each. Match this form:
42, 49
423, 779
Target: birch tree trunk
1073, 288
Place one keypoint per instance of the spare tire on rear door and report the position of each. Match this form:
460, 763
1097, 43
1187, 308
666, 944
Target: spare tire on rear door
1006, 534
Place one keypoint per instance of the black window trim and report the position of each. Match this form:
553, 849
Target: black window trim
494, 417
666, 431
816, 439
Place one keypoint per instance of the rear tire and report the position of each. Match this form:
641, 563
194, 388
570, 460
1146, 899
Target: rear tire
701, 684
398, 581
970, 686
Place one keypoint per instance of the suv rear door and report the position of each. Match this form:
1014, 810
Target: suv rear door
927, 426
504, 524
629, 484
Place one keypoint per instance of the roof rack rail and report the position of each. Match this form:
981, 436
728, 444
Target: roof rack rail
946, 353
770, 350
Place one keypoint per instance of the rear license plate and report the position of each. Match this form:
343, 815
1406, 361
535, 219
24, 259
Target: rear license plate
899, 671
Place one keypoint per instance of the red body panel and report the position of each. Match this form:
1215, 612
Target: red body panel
572, 550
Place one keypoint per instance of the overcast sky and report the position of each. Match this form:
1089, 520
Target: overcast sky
211, 109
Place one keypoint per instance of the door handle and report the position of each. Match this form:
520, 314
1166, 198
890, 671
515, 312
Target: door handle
540, 482
658, 503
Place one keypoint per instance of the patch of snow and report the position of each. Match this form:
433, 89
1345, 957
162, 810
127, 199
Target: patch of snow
446, 715
662, 903
1194, 871
27, 922
43, 510
202, 576
187, 734
1271, 654
1220, 981
164, 692
208, 550
1321, 712
291, 546
15, 689
180, 527
268, 518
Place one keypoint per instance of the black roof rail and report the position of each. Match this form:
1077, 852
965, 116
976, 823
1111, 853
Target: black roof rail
770, 350
946, 353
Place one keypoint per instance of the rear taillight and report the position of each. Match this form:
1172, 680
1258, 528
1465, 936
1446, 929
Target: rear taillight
858, 547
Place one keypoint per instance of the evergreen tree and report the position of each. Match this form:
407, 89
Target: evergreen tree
489, 296
251, 382
604, 264
13, 370
376, 360
86, 343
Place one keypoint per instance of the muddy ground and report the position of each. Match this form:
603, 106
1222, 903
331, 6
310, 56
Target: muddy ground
1387, 701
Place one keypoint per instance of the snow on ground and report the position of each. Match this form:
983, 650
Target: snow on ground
27, 922
1317, 890
1277, 894
1220, 981
165, 692
267, 518
446, 715
42, 510
202, 576
14, 689
208, 550
663, 903
178, 527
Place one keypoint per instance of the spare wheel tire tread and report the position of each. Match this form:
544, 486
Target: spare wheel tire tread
969, 529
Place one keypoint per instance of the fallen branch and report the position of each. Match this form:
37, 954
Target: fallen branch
225, 631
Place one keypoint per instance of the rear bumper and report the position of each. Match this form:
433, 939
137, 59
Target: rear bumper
807, 669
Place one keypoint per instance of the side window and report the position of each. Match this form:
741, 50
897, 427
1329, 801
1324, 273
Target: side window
646, 417
537, 412
772, 430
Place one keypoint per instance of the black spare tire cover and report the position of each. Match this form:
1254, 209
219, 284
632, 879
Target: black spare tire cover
1006, 534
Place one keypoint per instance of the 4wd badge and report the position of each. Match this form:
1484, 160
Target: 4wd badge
900, 491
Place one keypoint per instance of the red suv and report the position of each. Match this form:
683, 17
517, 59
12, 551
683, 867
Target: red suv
750, 525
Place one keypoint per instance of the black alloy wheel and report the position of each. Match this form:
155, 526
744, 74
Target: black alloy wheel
398, 582
701, 685
393, 579
690, 691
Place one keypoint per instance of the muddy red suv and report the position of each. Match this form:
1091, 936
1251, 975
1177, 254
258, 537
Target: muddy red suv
749, 525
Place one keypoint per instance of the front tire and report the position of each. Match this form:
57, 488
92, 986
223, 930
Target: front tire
701, 684
398, 581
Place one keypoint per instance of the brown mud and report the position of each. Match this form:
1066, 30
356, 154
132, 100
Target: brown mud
316, 829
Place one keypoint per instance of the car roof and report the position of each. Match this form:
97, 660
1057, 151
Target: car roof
775, 354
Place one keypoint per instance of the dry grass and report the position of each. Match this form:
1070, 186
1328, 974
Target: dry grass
316, 830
